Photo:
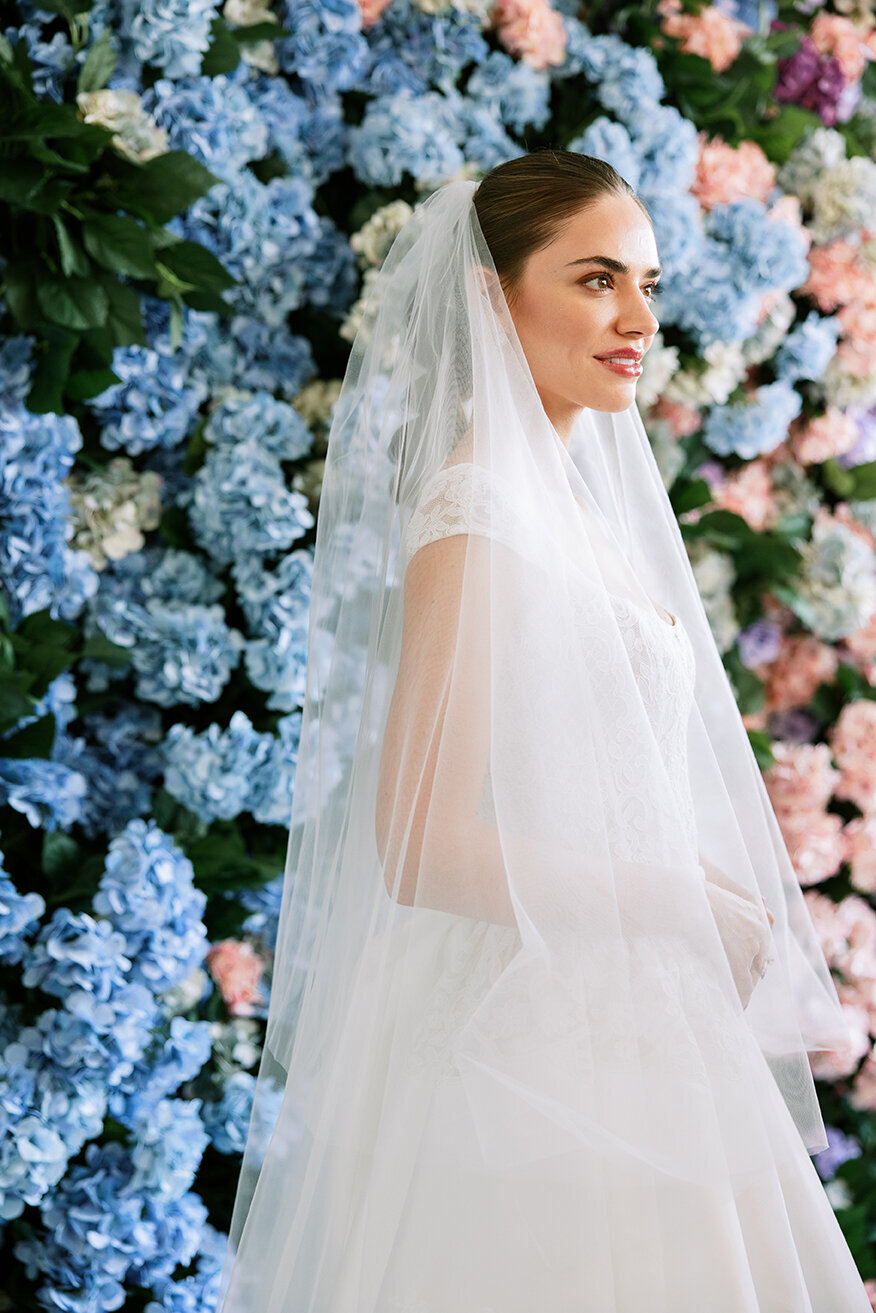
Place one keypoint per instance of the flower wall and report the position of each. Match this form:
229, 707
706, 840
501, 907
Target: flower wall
195, 199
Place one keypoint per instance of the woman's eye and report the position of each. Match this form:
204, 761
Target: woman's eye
654, 288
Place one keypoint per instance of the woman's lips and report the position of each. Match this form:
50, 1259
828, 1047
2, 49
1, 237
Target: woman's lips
627, 368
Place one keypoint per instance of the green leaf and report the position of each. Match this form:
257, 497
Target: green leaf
86, 383
209, 301
60, 854
196, 266
119, 244
15, 700
223, 53
34, 740
864, 476
98, 66
53, 356
25, 183
73, 260
125, 318
839, 480
259, 32
98, 647
762, 745
163, 186
74, 303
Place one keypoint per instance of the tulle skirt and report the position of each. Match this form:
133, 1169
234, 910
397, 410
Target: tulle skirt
417, 1198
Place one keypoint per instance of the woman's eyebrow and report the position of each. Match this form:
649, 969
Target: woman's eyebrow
616, 266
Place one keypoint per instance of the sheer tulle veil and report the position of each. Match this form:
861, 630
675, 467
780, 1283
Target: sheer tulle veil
529, 804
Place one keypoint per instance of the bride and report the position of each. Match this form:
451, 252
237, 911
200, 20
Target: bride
545, 981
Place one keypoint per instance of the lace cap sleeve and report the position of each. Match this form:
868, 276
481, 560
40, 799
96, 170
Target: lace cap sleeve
460, 498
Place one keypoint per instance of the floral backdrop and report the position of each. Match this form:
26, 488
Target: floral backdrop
194, 200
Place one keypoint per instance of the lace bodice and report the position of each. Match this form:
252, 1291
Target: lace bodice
459, 499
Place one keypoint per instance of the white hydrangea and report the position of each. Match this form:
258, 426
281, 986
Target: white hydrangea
843, 199
836, 594
770, 332
714, 573
724, 369
373, 240
186, 995
843, 389
482, 8
659, 364
794, 493
111, 509
260, 55
136, 135
821, 150
315, 401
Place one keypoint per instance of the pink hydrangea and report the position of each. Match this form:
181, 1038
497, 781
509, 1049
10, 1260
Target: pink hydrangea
711, 33
682, 419
861, 647
863, 1098
853, 740
835, 279
371, 11
802, 777
823, 437
857, 350
531, 29
835, 1064
815, 843
237, 970
726, 173
860, 837
747, 491
833, 35
803, 663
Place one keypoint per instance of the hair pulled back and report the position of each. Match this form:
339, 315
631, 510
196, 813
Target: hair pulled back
523, 203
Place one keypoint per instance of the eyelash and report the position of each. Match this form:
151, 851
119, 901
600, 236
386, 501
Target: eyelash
656, 289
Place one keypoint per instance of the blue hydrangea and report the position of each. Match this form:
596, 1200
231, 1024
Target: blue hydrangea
198, 1292
271, 785
332, 272
51, 60
38, 568
173, 1057
213, 118
484, 141
241, 503
265, 233
517, 93
610, 141
276, 605
311, 136
667, 146
626, 78
169, 1142
182, 651
415, 50
171, 34
102, 1228
753, 428
120, 762
763, 254
809, 346
263, 904
16, 370
211, 772
325, 47
406, 133
279, 428
147, 893
19, 913
105, 1040
254, 356
227, 1119
48, 793
76, 953
578, 41
160, 392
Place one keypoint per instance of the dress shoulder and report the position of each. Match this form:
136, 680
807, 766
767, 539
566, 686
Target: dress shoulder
460, 498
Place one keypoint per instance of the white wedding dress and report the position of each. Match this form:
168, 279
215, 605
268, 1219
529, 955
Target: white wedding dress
404, 1214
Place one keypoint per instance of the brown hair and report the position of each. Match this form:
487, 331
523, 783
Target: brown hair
522, 203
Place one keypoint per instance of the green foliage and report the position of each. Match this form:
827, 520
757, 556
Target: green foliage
81, 231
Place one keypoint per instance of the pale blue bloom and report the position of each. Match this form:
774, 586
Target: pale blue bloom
326, 47
753, 428
610, 141
809, 346
517, 93
406, 133
213, 118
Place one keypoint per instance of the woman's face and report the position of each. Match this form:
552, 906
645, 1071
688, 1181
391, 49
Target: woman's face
583, 298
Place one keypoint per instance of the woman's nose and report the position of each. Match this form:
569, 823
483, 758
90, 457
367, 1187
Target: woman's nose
635, 316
